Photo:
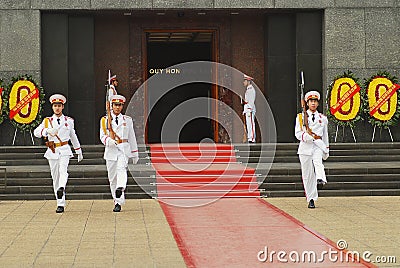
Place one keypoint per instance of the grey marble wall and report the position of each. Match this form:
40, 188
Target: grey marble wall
19, 42
363, 39
359, 35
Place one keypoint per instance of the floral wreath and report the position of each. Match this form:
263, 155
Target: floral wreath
382, 102
344, 109
25, 102
3, 102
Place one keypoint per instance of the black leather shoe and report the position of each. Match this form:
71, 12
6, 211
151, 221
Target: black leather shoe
60, 209
117, 208
118, 192
60, 192
311, 204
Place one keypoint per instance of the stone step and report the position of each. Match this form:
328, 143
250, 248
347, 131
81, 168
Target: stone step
35, 155
295, 159
333, 146
326, 193
41, 149
74, 196
286, 159
77, 189
335, 178
74, 171
72, 161
99, 171
348, 186
240, 147
237, 146
333, 171
352, 170
332, 152
47, 181
267, 181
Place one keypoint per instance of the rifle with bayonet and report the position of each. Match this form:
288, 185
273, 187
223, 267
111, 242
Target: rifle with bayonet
304, 109
112, 133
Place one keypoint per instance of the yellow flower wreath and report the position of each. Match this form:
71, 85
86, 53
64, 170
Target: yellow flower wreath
376, 88
19, 91
340, 88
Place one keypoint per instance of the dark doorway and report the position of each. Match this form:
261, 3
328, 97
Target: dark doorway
293, 44
68, 69
165, 49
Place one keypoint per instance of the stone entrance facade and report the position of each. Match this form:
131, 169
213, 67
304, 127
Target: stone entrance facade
69, 49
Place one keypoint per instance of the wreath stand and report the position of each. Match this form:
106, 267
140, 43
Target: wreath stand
352, 132
15, 134
390, 134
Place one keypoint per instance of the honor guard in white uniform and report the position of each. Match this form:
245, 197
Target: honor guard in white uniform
58, 130
112, 90
118, 135
249, 108
313, 147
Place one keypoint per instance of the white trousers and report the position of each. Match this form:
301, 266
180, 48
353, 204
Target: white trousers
59, 174
117, 176
312, 169
251, 127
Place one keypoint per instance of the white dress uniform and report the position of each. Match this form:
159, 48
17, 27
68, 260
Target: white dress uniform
117, 153
249, 110
59, 160
311, 151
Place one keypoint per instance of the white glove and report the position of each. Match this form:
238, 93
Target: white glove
111, 143
307, 137
247, 109
135, 159
325, 156
80, 157
322, 146
52, 131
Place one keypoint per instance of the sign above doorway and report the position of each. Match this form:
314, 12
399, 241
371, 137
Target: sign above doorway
179, 36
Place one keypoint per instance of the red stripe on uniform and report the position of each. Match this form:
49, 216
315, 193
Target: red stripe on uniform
252, 128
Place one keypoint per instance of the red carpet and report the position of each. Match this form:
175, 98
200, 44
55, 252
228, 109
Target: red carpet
231, 232
236, 232
201, 171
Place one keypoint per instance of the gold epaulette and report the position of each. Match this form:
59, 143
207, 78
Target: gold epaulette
300, 119
104, 125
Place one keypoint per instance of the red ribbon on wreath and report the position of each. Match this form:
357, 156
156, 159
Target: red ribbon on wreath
345, 98
34, 94
384, 98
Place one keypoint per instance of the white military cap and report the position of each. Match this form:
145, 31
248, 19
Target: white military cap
57, 98
312, 95
246, 77
118, 99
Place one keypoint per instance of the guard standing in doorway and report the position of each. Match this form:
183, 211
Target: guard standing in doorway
118, 135
249, 108
58, 130
313, 147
